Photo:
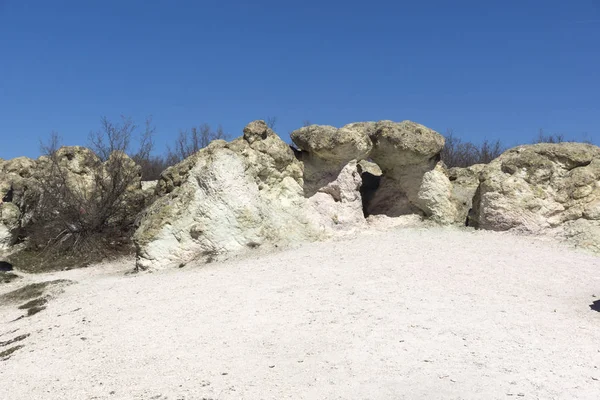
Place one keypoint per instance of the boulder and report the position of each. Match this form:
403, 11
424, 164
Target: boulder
149, 186
465, 182
339, 204
435, 197
18, 197
350, 142
82, 169
404, 151
542, 188
10, 216
397, 145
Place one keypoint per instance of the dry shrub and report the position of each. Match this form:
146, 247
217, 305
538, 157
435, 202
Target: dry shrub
82, 218
457, 153
190, 142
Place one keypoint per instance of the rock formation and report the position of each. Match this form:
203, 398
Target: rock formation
227, 197
543, 188
326, 150
404, 151
18, 194
256, 190
435, 196
465, 182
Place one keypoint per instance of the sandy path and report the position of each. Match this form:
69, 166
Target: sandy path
407, 314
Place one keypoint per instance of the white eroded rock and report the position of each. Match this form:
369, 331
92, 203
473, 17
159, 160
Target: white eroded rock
228, 197
542, 188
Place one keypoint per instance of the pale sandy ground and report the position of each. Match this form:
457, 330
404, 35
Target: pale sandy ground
406, 314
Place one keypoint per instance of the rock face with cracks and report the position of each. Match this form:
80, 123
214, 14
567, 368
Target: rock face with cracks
326, 150
545, 188
435, 196
465, 182
18, 194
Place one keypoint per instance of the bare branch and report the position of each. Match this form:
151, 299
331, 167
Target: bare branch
192, 141
271, 122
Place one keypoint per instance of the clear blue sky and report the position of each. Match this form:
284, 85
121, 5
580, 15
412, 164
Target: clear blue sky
486, 69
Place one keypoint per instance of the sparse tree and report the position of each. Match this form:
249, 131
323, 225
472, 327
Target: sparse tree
190, 142
120, 137
543, 138
457, 153
271, 122
86, 217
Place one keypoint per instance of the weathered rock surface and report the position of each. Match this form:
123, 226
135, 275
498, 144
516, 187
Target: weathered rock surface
228, 197
18, 194
78, 164
435, 196
542, 188
339, 204
465, 182
326, 150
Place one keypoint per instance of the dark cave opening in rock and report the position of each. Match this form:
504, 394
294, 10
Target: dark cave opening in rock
370, 184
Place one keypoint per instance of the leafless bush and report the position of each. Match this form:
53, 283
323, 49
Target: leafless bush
88, 214
457, 153
559, 138
271, 122
190, 142
152, 167
119, 137
544, 138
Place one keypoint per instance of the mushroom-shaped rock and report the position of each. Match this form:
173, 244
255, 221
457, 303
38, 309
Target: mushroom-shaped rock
545, 188
404, 151
326, 150
332, 179
399, 144
350, 142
